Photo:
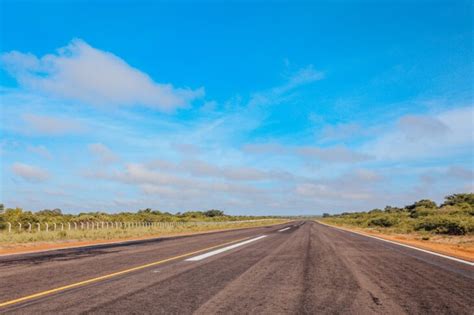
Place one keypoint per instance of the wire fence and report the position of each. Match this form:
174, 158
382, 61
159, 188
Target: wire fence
31, 227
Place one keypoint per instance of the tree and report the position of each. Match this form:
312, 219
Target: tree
456, 199
214, 213
147, 210
392, 209
326, 215
426, 203
47, 212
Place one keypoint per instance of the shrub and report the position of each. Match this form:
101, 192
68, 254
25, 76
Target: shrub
382, 221
391, 209
457, 199
443, 225
422, 212
426, 203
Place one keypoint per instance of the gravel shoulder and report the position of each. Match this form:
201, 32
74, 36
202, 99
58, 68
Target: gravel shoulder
456, 246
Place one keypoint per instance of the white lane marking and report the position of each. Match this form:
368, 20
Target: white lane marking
404, 245
221, 250
284, 229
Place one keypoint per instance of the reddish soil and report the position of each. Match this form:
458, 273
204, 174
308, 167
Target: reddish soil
456, 246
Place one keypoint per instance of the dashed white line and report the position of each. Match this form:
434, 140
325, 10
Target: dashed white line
221, 250
287, 228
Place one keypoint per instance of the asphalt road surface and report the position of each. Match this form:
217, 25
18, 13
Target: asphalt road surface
295, 268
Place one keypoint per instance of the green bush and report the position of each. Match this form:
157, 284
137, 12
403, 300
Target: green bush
443, 225
426, 203
422, 212
457, 199
385, 221
454, 217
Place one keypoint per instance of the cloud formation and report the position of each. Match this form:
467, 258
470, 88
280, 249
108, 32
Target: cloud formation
337, 154
84, 73
49, 125
29, 172
424, 136
276, 94
334, 154
41, 150
103, 153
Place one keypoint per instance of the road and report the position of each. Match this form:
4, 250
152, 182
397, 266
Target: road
295, 268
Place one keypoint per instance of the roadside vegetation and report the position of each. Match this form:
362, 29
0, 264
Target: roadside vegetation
123, 225
455, 216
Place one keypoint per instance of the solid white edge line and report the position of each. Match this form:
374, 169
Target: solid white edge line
404, 245
287, 228
224, 249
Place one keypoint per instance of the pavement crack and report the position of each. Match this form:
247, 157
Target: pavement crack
375, 299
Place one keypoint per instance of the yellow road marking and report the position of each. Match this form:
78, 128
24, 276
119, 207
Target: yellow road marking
77, 284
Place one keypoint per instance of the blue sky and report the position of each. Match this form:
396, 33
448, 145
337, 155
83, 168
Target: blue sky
254, 108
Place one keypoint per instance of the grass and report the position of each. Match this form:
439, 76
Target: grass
16, 237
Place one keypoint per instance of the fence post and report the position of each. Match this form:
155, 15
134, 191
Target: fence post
54, 224
29, 227
9, 227
19, 227
38, 225
69, 226
62, 226
47, 227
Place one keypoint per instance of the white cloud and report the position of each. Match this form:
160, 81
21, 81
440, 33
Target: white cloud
321, 191
29, 172
171, 185
425, 136
103, 153
49, 125
341, 132
277, 94
335, 154
338, 154
417, 127
82, 72
41, 150
266, 148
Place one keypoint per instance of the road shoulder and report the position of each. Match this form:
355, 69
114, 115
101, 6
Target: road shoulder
450, 250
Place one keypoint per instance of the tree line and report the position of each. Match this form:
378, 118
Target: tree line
455, 216
148, 215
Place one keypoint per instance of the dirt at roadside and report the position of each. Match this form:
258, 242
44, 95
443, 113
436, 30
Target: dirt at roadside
462, 247
455, 246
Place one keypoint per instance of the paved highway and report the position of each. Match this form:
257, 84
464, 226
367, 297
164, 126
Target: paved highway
295, 268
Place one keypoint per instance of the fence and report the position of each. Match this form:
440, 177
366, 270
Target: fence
10, 227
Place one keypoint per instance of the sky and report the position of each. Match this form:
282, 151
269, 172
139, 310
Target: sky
255, 108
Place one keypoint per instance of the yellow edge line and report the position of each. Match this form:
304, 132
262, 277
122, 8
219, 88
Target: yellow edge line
77, 284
